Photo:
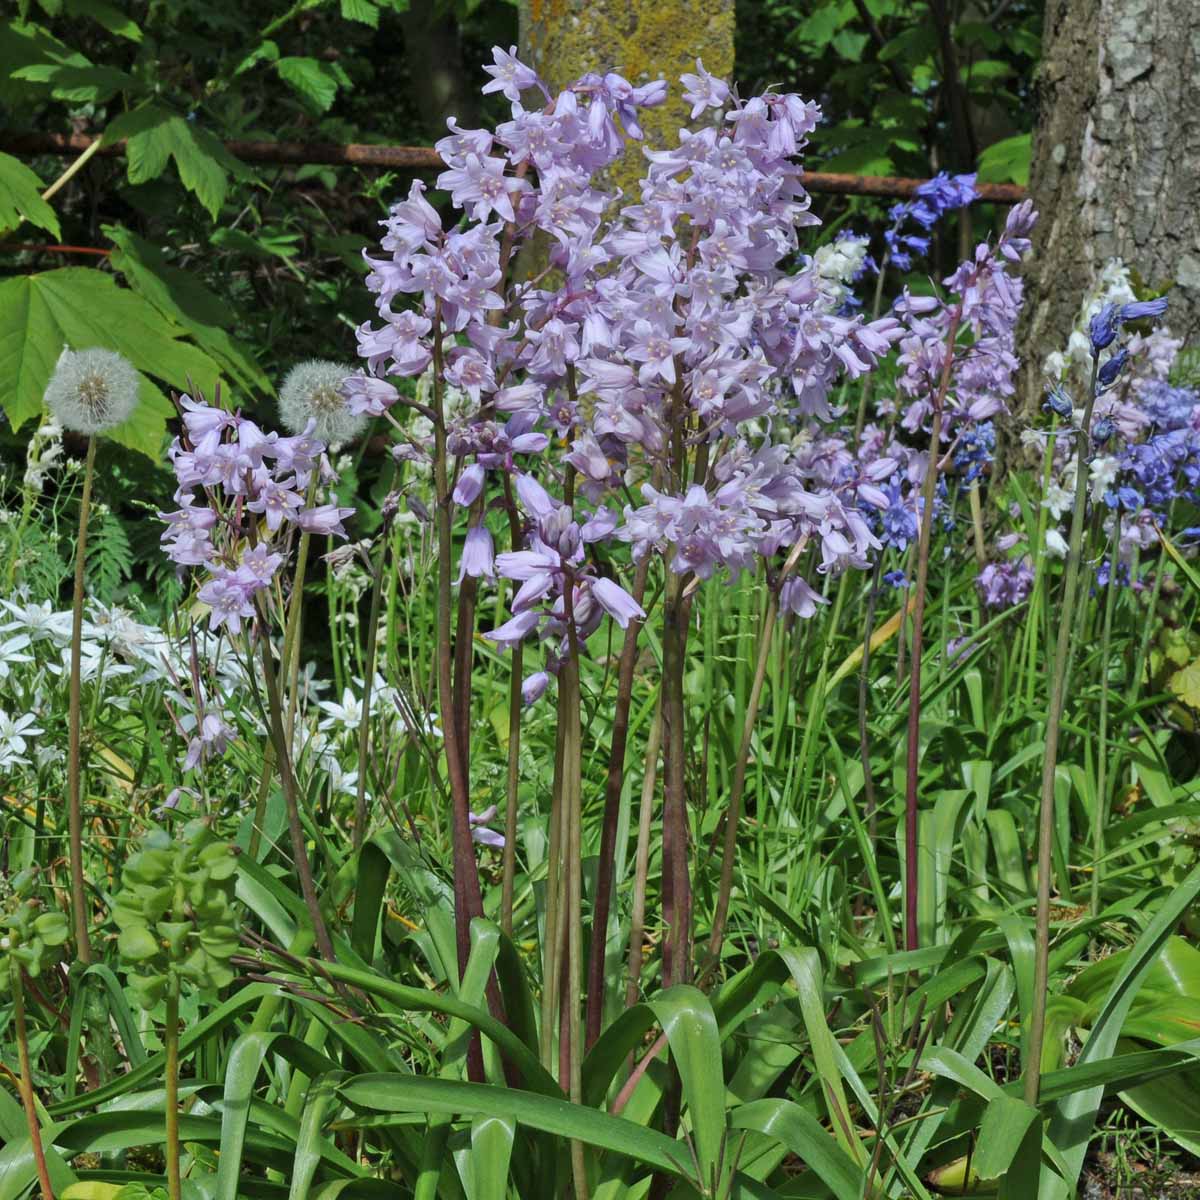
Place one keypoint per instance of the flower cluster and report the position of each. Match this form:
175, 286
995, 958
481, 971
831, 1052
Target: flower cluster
240, 492
933, 199
670, 335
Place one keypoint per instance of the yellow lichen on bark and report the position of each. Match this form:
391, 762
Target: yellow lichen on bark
642, 40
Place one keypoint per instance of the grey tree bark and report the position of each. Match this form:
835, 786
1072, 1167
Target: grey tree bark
1116, 163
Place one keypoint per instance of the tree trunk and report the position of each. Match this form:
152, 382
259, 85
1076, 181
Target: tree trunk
1116, 164
443, 88
642, 40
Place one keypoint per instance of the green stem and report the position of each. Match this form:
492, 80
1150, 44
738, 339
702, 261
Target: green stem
291, 799
26, 1080
676, 899
364, 730
75, 724
733, 813
641, 871
1058, 693
1100, 803
573, 789
171, 1045
912, 766
468, 900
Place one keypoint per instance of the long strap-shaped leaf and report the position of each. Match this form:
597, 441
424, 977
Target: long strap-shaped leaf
409, 1093
806, 1138
241, 1074
1075, 1116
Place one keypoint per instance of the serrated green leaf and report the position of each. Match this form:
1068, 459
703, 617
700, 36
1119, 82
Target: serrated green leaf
80, 307
315, 81
267, 51
80, 82
153, 136
361, 10
181, 297
21, 198
107, 15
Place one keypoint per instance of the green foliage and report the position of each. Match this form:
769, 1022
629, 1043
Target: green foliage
75, 307
32, 936
176, 911
21, 198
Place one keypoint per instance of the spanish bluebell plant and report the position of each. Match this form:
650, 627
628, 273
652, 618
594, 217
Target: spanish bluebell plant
690, 382
244, 493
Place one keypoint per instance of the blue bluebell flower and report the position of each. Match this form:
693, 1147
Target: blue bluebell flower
1113, 367
1102, 329
1058, 401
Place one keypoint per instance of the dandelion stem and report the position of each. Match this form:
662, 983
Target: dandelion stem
74, 751
26, 1079
1058, 692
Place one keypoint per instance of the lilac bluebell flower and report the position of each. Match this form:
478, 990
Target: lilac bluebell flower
1004, 584
617, 602
478, 555
324, 519
533, 687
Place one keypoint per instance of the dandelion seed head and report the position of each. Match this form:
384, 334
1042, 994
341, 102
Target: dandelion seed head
312, 391
92, 391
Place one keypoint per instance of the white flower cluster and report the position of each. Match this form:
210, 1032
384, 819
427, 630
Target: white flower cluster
206, 689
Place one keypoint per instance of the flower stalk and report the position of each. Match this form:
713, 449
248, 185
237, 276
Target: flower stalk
912, 772
1060, 676
25, 1081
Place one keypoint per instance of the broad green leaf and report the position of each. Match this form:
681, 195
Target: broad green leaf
1005, 1122
78, 307
21, 198
410, 1093
181, 297
246, 1058
805, 967
1071, 1126
687, 1019
1006, 161
314, 80
153, 136
491, 1150
805, 1137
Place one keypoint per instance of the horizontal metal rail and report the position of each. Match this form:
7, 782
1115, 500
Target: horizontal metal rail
425, 158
